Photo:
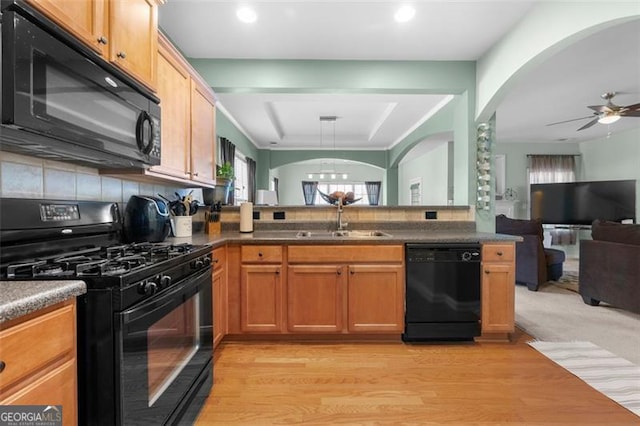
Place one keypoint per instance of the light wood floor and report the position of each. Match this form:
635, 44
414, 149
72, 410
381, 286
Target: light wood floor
395, 383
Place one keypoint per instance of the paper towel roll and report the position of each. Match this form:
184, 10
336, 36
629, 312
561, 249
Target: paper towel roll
246, 217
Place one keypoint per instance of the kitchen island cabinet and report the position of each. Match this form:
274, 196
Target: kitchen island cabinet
345, 289
38, 359
122, 32
497, 291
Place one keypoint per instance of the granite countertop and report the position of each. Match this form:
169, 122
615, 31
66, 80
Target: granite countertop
18, 298
324, 237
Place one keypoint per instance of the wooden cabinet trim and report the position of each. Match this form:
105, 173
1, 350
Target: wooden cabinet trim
345, 254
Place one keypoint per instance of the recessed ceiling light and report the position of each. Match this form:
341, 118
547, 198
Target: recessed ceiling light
404, 14
246, 15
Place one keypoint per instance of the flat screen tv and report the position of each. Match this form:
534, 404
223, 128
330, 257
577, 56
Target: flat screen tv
580, 203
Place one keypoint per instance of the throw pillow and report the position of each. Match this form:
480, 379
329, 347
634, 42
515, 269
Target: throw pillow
615, 232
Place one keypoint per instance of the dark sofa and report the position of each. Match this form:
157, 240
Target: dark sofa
535, 264
610, 265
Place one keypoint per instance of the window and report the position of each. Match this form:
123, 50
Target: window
415, 192
240, 186
359, 191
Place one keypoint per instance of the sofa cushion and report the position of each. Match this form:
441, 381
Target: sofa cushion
505, 225
615, 232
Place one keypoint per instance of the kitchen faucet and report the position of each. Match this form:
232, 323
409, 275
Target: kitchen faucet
341, 225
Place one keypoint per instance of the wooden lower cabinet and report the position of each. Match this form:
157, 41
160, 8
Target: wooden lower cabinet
498, 290
354, 297
220, 298
38, 356
375, 298
261, 298
315, 298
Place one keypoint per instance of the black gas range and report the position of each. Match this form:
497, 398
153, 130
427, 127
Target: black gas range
145, 324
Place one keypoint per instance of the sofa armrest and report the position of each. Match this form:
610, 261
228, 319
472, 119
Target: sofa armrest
530, 262
610, 272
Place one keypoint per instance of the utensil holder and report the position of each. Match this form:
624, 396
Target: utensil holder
183, 226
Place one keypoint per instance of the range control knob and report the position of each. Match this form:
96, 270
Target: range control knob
466, 256
165, 281
197, 264
206, 260
148, 288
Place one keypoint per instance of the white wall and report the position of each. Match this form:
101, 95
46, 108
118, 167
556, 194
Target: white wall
291, 176
432, 168
613, 158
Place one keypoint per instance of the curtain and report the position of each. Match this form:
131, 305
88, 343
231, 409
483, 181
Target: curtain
228, 151
373, 192
309, 189
552, 168
275, 187
251, 180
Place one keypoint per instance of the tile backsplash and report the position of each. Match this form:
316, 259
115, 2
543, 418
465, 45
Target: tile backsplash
29, 177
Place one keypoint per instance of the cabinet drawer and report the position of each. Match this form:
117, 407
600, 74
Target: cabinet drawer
346, 254
261, 254
498, 253
219, 258
33, 344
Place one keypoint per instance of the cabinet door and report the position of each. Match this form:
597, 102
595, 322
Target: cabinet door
498, 293
174, 87
203, 134
85, 20
315, 298
261, 298
57, 387
219, 306
375, 298
134, 38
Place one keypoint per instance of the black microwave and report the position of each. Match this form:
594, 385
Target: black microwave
59, 102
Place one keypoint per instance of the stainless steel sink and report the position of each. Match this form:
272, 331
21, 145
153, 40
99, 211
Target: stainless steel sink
342, 234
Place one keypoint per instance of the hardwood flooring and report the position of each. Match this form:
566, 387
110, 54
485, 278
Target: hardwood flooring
394, 383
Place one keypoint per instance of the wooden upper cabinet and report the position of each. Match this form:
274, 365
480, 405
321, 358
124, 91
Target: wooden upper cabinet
174, 86
124, 32
133, 27
203, 134
85, 20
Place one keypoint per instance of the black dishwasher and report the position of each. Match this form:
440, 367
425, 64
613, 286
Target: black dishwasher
442, 292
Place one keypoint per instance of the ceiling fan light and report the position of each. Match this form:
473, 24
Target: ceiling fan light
608, 119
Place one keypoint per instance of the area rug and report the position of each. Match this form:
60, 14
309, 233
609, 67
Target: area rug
609, 374
568, 281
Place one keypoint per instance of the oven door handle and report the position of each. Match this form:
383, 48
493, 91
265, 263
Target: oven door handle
168, 300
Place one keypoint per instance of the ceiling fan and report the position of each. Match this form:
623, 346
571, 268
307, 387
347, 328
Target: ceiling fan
606, 114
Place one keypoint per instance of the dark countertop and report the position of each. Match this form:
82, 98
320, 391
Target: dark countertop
18, 298
324, 237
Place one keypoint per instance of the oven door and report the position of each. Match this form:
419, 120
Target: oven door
163, 345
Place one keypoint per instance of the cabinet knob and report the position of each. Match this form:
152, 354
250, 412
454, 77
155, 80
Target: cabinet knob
259, 254
103, 40
352, 271
339, 271
486, 271
216, 260
499, 253
121, 55
2, 366
277, 271
195, 173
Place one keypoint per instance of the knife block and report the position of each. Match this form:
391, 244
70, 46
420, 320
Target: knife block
212, 227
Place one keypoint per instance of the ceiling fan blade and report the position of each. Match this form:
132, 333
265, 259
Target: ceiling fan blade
589, 124
632, 107
630, 113
601, 108
568, 121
